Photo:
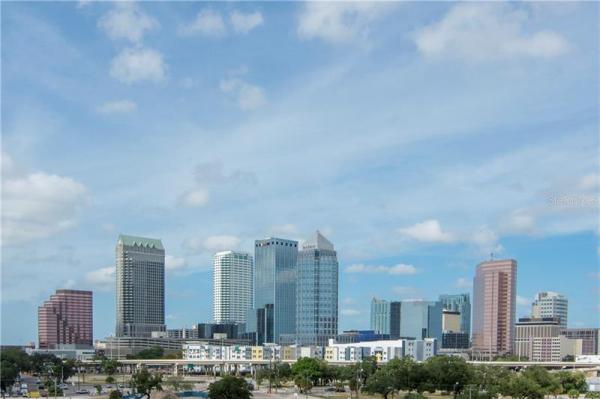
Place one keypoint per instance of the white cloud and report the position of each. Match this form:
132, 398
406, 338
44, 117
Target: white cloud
126, 21
589, 182
117, 107
288, 229
339, 22
396, 269
244, 23
195, 198
102, 279
212, 244
138, 64
427, 231
248, 96
523, 301
486, 240
174, 263
487, 30
463, 282
37, 205
519, 221
350, 312
207, 23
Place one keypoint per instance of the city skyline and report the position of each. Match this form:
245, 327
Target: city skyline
416, 156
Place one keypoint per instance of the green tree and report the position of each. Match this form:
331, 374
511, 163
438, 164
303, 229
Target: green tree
156, 352
572, 381
98, 389
178, 383
449, 373
115, 394
308, 367
549, 383
592, 395
520, 387
490, 379
303, 382
229, 387
381, 382
144, 382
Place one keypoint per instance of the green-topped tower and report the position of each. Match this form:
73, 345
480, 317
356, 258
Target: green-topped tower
140, 286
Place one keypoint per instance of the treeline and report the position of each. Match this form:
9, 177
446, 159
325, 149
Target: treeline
446, 374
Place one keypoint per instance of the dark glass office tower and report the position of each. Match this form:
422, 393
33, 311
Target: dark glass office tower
275, 285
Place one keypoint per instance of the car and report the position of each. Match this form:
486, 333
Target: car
82, 392
330, 389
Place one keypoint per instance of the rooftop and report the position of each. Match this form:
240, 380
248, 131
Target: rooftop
133, 241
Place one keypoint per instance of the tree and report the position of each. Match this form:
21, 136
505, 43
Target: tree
490, 379
309, 368
9, 371
520, 387
229, 387
303, 383
548, 382
115, 394
156, 352
381, 382
178, 383
144, 382
98, 389
449, 373
572, 381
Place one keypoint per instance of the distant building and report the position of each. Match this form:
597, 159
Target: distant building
353, 336
494, 307
551, 304
316, 292
67, 351
386, 317
459, 303
274, 311
140, 274
539, 340
66, 318
590, 339
421, 319
232, 286
452, 335
384, 351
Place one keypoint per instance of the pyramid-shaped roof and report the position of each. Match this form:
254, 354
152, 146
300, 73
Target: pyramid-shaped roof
318, 241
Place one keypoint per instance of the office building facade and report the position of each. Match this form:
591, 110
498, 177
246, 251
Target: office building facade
494, 306
140, 291
316, 292
539, 340
275, 288
551, 304
459, 303
66, 318
232, 286
590, 338
386, 317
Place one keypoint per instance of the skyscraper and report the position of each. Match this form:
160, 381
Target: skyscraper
316, 292
275, 287
140, 286
421, 319
551, 304
494, 306
66, 318
386, 317
232, 286
459, 303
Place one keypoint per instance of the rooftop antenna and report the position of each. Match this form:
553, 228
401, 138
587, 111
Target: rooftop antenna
491, 256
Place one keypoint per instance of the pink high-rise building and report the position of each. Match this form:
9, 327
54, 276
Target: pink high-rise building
494, 306
66, 318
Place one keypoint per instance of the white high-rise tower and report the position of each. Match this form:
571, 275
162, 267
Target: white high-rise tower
551, 304
232, 286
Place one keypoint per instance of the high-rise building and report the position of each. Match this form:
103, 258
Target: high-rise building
590, 339
459, 303
316, 292
275, 288
551, 304
386, 317
539, 340
494, 306
232, 286
140, 286
421, 319
66, 319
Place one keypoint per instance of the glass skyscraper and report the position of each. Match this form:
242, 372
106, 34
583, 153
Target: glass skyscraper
317, 292
140, 286
459, 303
421, 319
386, 317
275, 285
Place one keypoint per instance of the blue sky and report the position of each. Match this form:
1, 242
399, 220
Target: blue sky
418, 137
